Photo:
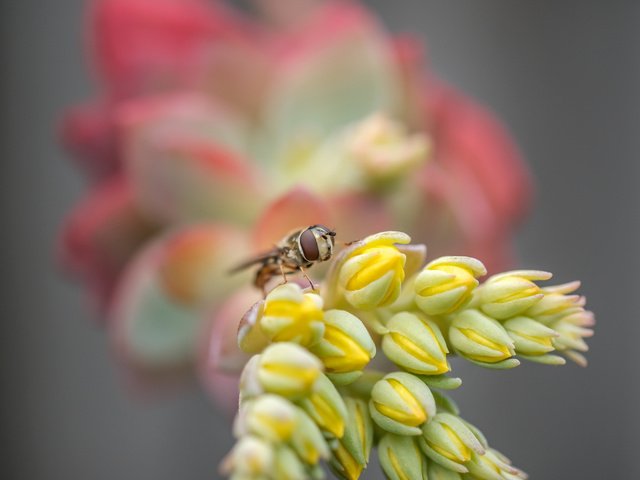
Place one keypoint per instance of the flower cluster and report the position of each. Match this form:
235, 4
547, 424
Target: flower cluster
308, 393
216, 131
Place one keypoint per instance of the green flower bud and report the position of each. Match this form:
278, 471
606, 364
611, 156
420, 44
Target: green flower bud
287, 465
572, 330
271, 417
511, 293
446, 284
482, 340
438, 472
493, 466
289, 315
251, 457
448, 441
346, 346
350, 454
372, 273
401, 403
415, 344
326, 407
289, 370
401, 458
530, 337
553, 306
307, 440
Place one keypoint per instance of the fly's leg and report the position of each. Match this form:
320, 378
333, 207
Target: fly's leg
284, 275
313, 287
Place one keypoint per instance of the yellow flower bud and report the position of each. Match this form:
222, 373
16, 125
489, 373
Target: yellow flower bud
493, 466
438, 472
482, 340
401, 458
572, 329
251, 457
415, 344
346, 347
372, 273
269, 416
307, 440
511, 293
289, 315
350, 454
326, 407
385, 150
446, 284
530, 337
401, 403
448, 441
287, 465
288, 369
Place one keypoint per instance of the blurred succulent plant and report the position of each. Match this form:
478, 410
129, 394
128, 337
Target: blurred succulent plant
215, 132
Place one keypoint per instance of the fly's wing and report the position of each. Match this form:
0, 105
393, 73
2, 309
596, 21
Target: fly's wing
263, 258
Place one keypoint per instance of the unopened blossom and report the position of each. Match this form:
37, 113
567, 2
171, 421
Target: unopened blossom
288, 369
511, 293
251, 457
529, 336
346, 346
326, 407
449, 441
401, 458
438, 472
572, 330
307, 440
556, 304
401, 403
416, 344
271, 417
289, 315
384, 150
287, 465
350, 455
493, 466
446, 284
372, 273
482, 340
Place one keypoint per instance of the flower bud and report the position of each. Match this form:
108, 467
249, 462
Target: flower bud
415, 344
446, 284
271, 417
307, 440
288, 369
351, 453
401, 459
326, 407
250, 457
401, 403
385, 150
372, 273
511, 293
553, 306
572, 330
493, 466
530, 337
289, 315
287, 465
438, 472
346, 346
448, 441
482, 340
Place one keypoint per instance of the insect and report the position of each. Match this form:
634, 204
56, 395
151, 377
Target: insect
300, 249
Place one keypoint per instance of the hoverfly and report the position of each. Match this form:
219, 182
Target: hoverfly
300, 249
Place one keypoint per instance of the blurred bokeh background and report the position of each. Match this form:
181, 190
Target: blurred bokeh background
564, 77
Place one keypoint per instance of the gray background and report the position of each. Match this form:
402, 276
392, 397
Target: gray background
563, 75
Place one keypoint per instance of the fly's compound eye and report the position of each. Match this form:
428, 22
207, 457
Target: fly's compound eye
309, 246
